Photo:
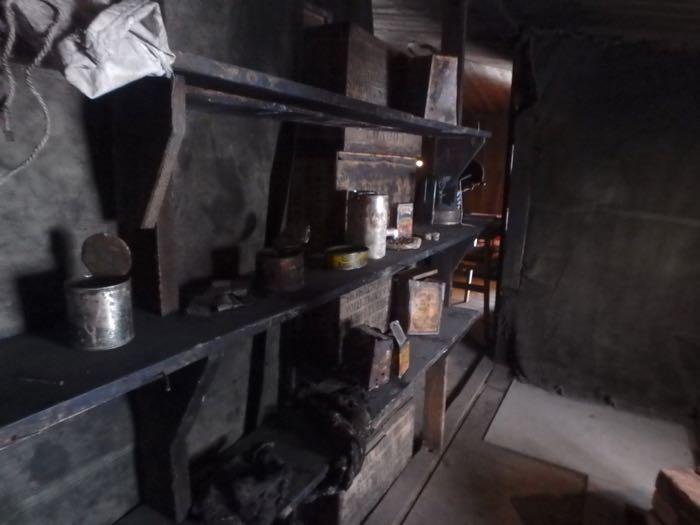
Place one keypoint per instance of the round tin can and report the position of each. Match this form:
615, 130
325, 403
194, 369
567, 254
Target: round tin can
100, 314
368, 218
347, 257
448, 217
280, 272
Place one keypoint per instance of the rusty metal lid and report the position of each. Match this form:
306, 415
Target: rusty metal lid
106, 255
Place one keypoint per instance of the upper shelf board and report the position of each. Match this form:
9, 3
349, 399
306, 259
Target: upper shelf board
260, 94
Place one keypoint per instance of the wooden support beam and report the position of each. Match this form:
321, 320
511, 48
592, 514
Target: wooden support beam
435, 404
454, 41
164, 413
178, 124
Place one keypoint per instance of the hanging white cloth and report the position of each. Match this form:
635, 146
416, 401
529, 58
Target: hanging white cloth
125, 42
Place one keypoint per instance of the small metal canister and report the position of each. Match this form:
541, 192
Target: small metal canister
280, 272
368, 217
346, 257
100, 312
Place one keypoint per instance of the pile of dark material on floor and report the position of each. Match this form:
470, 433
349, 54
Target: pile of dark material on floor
252, 487
247, 489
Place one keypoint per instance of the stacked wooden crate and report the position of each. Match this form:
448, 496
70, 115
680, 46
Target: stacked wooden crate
677, 498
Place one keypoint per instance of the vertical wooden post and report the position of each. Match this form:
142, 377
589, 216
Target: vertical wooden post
435, 404
454, 41
164, 412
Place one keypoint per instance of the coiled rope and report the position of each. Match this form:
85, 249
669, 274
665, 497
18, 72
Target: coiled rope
49, 39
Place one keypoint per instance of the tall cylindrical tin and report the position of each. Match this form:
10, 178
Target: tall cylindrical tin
368, 217
100, 312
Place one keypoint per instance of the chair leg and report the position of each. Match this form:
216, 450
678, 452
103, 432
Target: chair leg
466, 283
487, 295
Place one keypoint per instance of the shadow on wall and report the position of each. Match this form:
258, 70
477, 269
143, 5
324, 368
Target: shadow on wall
41, 294
98, 126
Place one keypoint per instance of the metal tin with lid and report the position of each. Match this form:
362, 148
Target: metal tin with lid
100, 315
346, 257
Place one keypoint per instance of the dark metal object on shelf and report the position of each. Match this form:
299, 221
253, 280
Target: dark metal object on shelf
449, 208
280, 271
401, 360
220, 296
367, 354
100, 315
447, 164
410, 243
368, 218
106, 255
347, 257
448, 216
398, 332
419, 301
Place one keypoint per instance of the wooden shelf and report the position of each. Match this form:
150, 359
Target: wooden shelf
309, 467
44, 382
259, 94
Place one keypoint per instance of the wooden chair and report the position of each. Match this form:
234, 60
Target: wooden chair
482, 261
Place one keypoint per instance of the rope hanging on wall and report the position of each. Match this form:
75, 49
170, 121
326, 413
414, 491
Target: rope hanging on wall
9, 15
49, 39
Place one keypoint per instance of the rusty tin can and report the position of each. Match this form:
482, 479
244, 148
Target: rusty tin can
100, 314
367, 356
280, 272
368, 218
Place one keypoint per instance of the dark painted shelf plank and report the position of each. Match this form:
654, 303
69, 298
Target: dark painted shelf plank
301, 100
425, 351
145, 515
72, 381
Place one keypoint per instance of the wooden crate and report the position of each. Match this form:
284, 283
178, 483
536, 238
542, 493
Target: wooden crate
347, 59
389, 452
425, 86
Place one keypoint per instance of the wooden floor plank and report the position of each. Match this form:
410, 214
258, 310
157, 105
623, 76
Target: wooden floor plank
397, 502
480, 484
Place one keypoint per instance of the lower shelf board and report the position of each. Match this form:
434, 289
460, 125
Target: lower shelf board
145, 515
